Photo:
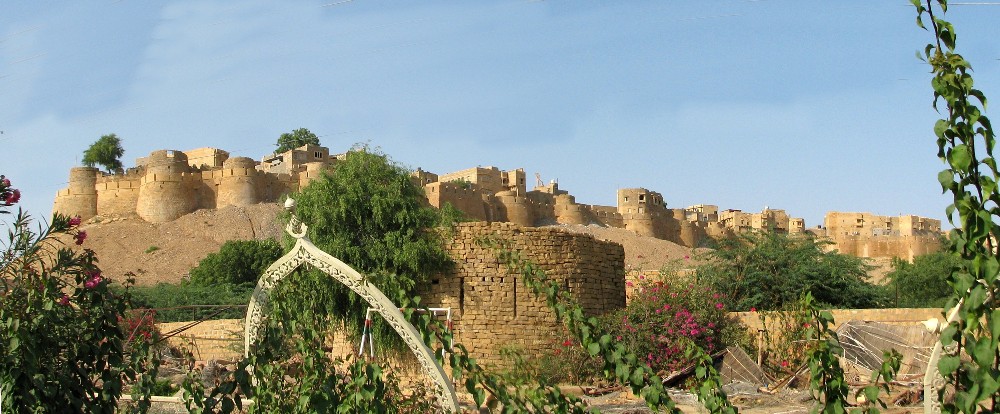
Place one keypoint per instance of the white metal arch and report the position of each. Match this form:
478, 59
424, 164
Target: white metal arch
304, 252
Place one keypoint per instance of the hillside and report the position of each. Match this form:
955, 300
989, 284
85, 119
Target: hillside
166, 252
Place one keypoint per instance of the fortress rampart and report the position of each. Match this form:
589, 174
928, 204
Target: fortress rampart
169, 184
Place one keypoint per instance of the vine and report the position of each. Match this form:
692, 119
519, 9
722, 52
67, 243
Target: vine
966, 141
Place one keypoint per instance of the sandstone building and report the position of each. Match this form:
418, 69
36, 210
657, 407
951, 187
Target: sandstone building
868, 235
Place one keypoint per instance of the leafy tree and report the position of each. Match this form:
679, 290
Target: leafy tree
295, 139
767, 270
367, 212
106, 151
238, 262
923, 283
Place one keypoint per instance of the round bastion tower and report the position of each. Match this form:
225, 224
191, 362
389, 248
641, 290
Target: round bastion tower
516, 208
238, 186
164, 193
80, 199
567, 211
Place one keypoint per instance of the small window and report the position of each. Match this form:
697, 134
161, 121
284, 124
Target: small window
318, 154
626, 199
642, 197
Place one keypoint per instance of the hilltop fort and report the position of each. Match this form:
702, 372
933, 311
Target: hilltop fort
169, 184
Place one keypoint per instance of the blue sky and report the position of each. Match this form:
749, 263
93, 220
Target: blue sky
803, 105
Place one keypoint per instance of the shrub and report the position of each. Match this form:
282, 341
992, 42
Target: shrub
62, 347
238, 262
662, 319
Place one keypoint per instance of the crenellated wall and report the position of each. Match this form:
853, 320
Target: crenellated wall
168, 184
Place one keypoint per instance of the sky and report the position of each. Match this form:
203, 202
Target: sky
806, 106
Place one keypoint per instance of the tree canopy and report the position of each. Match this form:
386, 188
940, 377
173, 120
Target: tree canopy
367, 212
295, 139
238, 262
106, 152
768, 270
923, 283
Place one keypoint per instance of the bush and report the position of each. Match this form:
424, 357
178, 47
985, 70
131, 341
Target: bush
62, 345
238, 262
662, 319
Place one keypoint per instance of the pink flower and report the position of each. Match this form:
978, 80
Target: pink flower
95, 279
75, 221
784, 364
629, 284
12, 197
719, 305
6, 182
80, 237
686, 257
64, 300
567, 342
618, 338
753, 309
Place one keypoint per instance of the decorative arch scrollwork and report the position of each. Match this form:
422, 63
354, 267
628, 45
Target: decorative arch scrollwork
304, 252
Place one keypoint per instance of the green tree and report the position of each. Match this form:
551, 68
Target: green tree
367, 212
923, 283
295, 139
106, 152
767, 270
238, 262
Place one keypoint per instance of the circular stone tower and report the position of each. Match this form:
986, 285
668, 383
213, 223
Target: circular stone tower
516, 207
238, 186
164, 194
80, 199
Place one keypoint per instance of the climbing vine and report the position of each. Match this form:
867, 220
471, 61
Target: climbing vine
965, 143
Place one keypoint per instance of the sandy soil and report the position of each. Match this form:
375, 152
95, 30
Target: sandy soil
166, 252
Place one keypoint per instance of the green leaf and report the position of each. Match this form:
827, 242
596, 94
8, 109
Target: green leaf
594, 348
940, 126
960, 157
637, 377
947, 179
948, 364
